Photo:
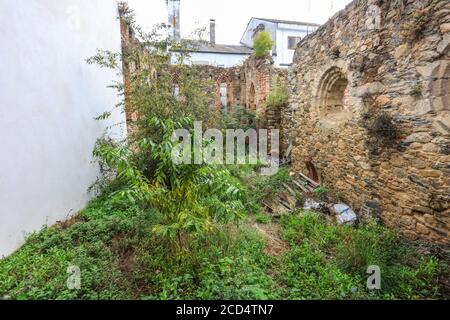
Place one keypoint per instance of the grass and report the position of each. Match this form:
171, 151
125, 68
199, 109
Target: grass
120, 258
262, 187
329, 261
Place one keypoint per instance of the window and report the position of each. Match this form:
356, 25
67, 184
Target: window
176, 91
293, 42
224, 95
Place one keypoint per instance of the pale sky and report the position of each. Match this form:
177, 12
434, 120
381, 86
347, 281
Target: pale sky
232, 16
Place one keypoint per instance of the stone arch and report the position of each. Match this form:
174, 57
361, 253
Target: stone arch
333, 91
176, 85
224, 92
251, 105
333, 98
439, 86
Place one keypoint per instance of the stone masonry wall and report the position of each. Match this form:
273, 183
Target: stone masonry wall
370, 111
247, 85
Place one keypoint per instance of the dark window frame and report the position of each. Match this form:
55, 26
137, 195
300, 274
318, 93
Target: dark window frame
293, 39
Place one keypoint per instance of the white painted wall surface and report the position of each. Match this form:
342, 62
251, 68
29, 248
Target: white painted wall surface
217, 59
247, 38
279, 32
49, 96
285, 55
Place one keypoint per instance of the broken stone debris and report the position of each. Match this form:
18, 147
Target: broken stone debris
311, 204
343, 213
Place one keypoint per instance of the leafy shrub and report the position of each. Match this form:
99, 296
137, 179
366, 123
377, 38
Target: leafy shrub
278, 96
239, 118
382, 130
262, 44
268, 187
191, 198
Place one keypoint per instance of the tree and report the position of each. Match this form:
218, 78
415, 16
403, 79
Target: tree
192, 199
262, 44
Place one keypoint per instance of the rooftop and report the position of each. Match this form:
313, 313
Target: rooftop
207, 47
289, 22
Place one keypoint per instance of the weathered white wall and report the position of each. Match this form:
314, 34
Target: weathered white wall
247, 38
279, 32
285, 55
49, 96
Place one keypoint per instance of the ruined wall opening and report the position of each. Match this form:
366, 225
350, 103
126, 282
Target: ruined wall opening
243, 89
333, 93
333, 97
252, 98
312, 172
176, 90
225, 93
224, 96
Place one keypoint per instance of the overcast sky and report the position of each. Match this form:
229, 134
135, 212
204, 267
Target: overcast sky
232, 16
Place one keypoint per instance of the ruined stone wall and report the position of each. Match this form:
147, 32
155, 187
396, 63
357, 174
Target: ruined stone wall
260, 75
247, 85
370, 111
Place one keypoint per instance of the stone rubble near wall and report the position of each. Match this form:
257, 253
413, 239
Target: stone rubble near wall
395, 58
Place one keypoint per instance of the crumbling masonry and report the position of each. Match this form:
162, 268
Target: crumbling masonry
369, 111
247, 85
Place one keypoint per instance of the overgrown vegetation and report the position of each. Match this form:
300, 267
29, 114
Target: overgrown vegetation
262, 44
163, 231
239, 118
382, 130
327, 261
278, 96
121, 257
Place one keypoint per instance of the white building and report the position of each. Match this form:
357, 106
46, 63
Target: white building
49, 97
285, 34
206, 53
220, 55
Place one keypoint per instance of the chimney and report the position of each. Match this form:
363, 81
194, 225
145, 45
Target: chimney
212, 31
173, 9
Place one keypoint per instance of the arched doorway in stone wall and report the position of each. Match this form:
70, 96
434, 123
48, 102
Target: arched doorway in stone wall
312, 172
224, 92
251, 105
333, 98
